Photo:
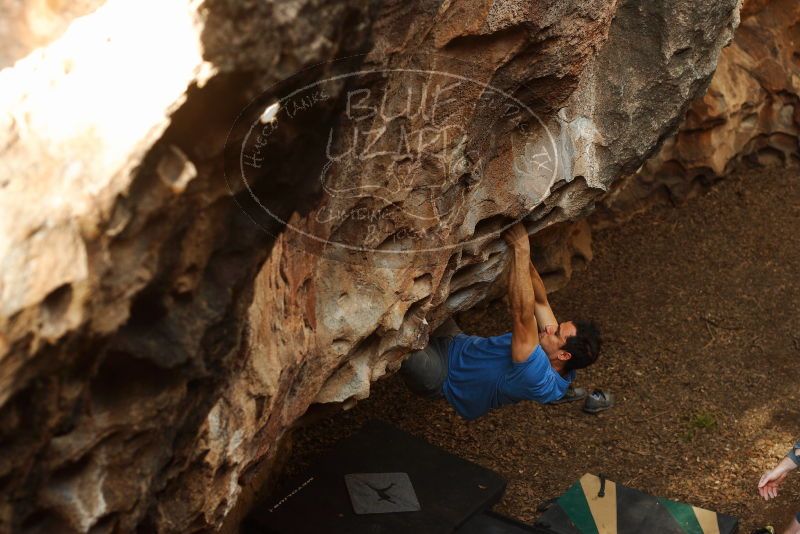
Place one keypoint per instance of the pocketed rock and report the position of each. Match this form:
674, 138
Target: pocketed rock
157, 344
748, 117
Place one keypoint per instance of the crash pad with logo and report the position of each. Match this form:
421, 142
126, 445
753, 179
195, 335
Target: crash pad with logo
380, 480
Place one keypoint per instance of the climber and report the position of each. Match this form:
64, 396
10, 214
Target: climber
535, 361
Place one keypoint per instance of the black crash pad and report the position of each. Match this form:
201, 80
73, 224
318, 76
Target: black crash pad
493, 523
449, 489
594, 505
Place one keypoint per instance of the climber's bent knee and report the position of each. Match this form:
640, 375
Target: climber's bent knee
424, 371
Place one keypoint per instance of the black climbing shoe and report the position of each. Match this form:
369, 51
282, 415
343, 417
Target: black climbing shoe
598, 401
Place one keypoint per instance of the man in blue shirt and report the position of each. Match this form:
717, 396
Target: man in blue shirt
535, 361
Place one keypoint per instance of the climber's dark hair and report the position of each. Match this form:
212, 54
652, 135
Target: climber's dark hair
584, 346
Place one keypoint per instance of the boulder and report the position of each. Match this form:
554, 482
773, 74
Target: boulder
209, 223
749, 116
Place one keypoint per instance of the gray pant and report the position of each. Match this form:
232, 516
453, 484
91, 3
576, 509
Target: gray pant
424, 371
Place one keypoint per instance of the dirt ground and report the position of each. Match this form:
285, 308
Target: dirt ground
700, 310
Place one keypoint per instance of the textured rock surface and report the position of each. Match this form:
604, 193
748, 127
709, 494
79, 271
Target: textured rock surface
156, 344
749, 115
27, 25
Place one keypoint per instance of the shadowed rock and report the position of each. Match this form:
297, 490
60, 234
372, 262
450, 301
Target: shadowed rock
161, 331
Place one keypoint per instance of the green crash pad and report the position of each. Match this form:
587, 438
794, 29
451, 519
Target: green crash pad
585, 509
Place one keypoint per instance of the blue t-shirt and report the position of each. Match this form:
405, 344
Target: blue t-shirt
482, 376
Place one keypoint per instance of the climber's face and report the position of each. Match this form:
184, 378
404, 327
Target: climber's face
555, 337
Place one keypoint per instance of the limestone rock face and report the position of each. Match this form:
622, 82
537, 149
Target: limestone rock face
749, 115
208, 225
34, 23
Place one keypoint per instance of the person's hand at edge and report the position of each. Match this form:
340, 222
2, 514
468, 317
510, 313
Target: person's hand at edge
771, 480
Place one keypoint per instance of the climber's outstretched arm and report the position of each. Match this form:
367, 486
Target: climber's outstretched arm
545, 317
521, 297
